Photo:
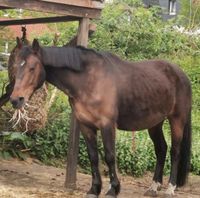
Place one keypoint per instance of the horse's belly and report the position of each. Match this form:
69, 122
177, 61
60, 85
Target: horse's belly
145, 111
132, 122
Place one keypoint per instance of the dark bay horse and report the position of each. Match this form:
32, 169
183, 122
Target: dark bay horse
106, 93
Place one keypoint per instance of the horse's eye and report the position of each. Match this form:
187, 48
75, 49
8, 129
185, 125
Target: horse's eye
22, 63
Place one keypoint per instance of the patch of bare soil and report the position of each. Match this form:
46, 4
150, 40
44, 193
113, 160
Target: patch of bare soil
19, 179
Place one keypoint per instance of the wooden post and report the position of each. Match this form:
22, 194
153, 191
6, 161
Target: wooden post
73, 148
83, 32
72, 154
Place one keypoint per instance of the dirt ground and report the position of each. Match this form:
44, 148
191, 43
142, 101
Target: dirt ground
19, 179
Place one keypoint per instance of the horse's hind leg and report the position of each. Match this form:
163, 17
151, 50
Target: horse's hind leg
89, 135
108, 137
180, 152
160, 146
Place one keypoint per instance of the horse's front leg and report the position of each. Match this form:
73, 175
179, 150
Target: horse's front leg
89, 135
108, 137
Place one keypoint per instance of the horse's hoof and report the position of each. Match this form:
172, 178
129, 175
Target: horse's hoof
170, 191
110, 196
91, 196
168, 195
151, 193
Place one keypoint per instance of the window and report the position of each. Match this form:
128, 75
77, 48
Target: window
172, 7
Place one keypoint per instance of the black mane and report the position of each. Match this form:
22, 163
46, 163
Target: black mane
69, 57
72, 57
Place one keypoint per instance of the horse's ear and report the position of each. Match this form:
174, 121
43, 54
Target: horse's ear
35, 45
19, 42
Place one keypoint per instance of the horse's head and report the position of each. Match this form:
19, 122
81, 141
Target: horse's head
30, 73
12, 66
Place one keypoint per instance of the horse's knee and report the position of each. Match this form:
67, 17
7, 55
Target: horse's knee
109, 158
175, 152
94, 160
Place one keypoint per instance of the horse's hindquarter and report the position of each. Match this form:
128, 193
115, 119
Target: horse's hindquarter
147, 95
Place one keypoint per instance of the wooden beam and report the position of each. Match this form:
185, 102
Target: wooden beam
38, 20
50, 7
80, 3
3, 8
72, 156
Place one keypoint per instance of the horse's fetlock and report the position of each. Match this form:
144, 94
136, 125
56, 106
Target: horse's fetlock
111, 192
115, 186
95, 189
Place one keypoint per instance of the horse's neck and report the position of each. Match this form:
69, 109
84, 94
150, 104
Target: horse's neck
62, 79
67, 68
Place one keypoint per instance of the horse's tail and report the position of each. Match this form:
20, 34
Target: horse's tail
185, 153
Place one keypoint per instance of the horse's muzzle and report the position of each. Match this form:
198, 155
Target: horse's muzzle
17, 102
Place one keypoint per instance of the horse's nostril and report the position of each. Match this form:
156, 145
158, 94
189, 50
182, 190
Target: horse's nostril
14, 102
21, 99
17, 102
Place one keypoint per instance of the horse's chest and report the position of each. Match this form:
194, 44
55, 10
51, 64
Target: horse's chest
94, 112
87, 114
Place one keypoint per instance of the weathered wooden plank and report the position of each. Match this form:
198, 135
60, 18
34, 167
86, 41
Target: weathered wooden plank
80, 3
50, 7
38, 20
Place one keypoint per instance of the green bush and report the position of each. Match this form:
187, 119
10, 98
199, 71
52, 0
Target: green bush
51, 142
135, 161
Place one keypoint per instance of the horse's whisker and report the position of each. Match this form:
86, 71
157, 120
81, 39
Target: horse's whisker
22, 114
28, 105
18, 120
14, 116
26, 127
